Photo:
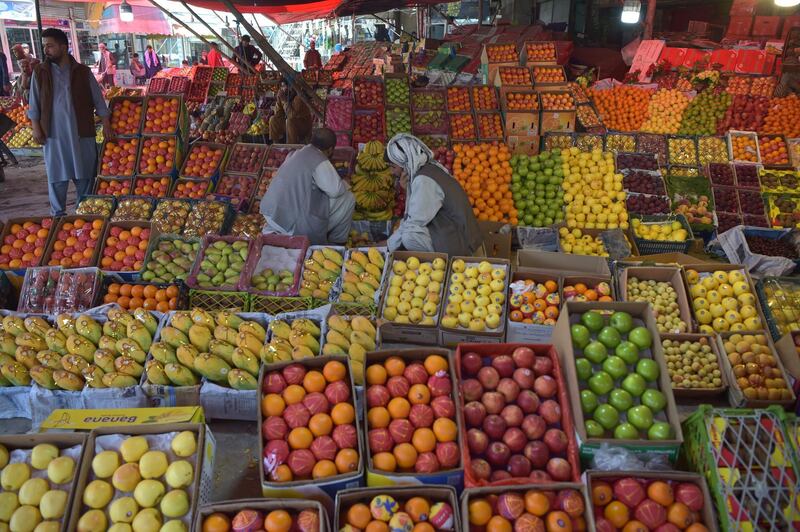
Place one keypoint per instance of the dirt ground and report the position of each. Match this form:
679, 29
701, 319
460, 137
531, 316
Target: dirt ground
24, 192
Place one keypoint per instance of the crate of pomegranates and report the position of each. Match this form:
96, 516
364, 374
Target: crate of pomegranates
261, 514
517, 422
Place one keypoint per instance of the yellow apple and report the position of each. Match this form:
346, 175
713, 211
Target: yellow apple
399, 267
441, 264
477, 325
485, 267
412, 263
450, 322
493, 321
415, 315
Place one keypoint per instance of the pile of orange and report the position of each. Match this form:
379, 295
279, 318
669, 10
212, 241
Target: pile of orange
773, 150
783, 117
384, 513
485, 98
502, 53
148, 296
623, 108
274, 521
458, 100
744, 148
484, 171
534, 509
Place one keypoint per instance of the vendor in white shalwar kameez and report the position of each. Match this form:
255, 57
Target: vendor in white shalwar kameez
307, 196
64, 98
438, 214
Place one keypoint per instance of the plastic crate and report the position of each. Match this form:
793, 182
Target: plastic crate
355, 309
219, 300
779, 298
274, 305
98, 212
183, 291
654, 247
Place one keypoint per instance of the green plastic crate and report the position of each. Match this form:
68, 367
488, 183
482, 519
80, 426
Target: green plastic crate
219, 300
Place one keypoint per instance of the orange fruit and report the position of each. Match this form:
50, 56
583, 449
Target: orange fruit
113, 288
323, 469
480, 512
399, 408
617, 513
172, 291
278, 521
376, 374
343, 414
347, 461
635, 526
498, 524
423, 527
282, 473
418, 508
334, 371
601, 493
377, 526
558, 522
149, 292
294, 393
661, 492
384, 462
419, 394
697, 527
300, 438
125, 290
424, 440
321, 424
536, 503
378, 417
314, 381
445, 429
217, 522
435, 363
406, 455
394, 366
272, 404
137, 290
359, 515
679, 515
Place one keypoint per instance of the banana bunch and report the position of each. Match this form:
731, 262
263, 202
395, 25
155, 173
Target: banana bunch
320, 272
371, 157
219, 346
353, 337
362, 276
76, 352
294, 341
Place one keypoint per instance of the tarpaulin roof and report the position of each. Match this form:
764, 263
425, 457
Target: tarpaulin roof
149, 21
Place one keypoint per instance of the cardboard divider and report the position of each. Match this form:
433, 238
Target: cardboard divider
489, 352
349, 497
232, 507
548, 261
450, 477
673, 276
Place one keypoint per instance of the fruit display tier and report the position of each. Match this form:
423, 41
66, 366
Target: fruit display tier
247, 158
751, 447
650, 245
276, 253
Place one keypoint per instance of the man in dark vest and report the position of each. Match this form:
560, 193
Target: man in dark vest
307, 196
64, 98
438, 214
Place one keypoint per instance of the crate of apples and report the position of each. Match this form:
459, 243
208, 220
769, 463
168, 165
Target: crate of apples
112, 187
203, 160
760, 382
462, 127
24, 243
515, 414
560, 507
411, 413
368, 126
76, 242
398, 508
540, 52
774, 151
158, 155
368, 93
119, 157
125, 247
126, 115
247, 158
278, 154
272, 516
458, 100
190, 188
502, 53
515, 76
152, 187
240, 186
744, 147
309, 427
723, 301
162, 114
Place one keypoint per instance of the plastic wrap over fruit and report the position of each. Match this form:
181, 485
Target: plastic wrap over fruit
608, 458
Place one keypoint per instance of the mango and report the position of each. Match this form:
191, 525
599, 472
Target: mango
93, 521
73, 363
14, 476
128, 366
301, 352
61, 470
332, 349
13, 325
224, 350
16, 373
32, 341
186, 355
3, 456
228, 319
147, 520
42, 455
245, 359
174, 337
123, 510
163, 352
77, 345
7, 344
93, 376
239, 379
118, 380
43, 376
105, 463
182, 321
255, 329
53, 504
363, 339
155, 372
200, 336
68, 381
26, 356
50, 359
307, 326
56, 340
147, 319
115, 329
184, 444
25, 519
148, 493
305, 340
201, 317
211, 367
133, 448
175, 503
248, 341
153, 464
66, 324
8, 503
32, 491
120, 315
280, 329
130, 348
180, 375
89, 328
109, 344
126, 477
337, 338
36, 325
98, 494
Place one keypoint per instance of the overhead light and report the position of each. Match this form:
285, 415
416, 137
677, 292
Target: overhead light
125, 12
787, 3
631, 10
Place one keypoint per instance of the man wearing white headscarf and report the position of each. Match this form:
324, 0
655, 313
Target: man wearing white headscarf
438, 214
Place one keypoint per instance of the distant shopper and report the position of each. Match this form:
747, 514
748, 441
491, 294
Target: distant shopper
107, 66
138, 70
185, 63
307, 196
64, 98
250, 53
298, 115
26, 64
277, 122
312, 59
215, 56
152, 64
203, 57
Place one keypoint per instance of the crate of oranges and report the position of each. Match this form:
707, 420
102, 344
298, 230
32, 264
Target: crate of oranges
133, 295
124, 246
260, 514
743, 147
417, 508
513, 76
539, 53
521, 110
549, 76
558, 111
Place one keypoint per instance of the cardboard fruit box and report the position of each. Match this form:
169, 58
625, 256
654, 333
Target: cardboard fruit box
700, 393
642, 315
451, 477
673, 276
435, 494
232, 507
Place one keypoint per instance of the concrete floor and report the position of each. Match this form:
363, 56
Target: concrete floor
24, 192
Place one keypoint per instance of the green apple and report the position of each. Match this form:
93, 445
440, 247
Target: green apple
640, 417
620, 399
628, 352
593, 320
621, 321
580, 335
610, 337
641, 337
607, 416
595, 352
654, 399
634, 384
588, 401
659, 431
647, 368
601, 383
615, 367
626, 431
594, 429
584, 369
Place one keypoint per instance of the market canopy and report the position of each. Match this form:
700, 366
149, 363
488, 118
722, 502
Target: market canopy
149, 21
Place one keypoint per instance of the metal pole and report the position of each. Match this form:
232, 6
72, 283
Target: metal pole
39, 25
648, 22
